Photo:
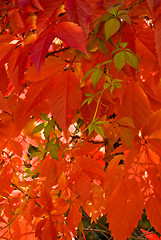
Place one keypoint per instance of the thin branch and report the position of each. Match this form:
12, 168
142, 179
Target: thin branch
57, 51
135, 4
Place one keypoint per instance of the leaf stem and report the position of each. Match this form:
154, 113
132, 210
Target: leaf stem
96, 110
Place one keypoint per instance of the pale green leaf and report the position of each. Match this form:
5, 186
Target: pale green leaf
112, 88
116, 80
90, 128
41, 148
114, 10
106, 85
53, 152
38, 128
119, 60
87, 74
95, 77
100, 123
27, 170
132, 60
44, 116
47, 130
99, 130
125, 18
111, 27
108, 79
123, 44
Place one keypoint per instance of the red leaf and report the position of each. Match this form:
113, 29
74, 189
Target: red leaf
135, 105
157, 34
74, 216
153, 124
50, 171
72, 35
66, 99
153, 209
150, 235
3, 104
38, 4
40, 48
124, 209
79, 12
49, 231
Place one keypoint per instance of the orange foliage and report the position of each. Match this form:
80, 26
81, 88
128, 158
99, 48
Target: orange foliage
80, 117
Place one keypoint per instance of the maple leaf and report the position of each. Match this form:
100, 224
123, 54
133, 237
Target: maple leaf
51, 171
66, 99
3, 104
74, 216
79, 12
72, 35
135, 105
46, 230
40, 47
124, 209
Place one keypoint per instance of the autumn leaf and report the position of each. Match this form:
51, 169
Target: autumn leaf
79, 12
3, 104
135, 105
123, 205
50, 170
65, 101
40, 47
72, 35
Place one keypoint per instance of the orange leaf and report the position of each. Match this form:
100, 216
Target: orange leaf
40, 47
82, 186
3, 104
50, 171
72, 35
135, 105
65, 101
124, 209
74, 216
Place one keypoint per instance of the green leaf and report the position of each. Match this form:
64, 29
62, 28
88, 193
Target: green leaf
44, 116
86, 75
99, 130
108, 79
103, 18
90, 128
27, 170
119, 60
132, 60
88, 100
116, 80
26, 176
89, 94
35, 154
124, 16
106, 85
95, 77
123, 44
111, 27
53, 152
47, 130
112, 88
114, 10
100, 123
41, 148
118, 85
38, 128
